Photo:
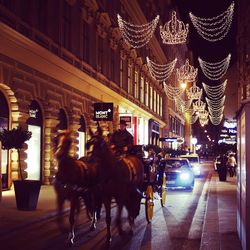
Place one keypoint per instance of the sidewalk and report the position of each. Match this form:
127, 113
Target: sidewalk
13, 219
220, 221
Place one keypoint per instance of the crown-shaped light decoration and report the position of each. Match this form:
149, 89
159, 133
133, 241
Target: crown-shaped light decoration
194, 92
186, 73
174, 31
199, 106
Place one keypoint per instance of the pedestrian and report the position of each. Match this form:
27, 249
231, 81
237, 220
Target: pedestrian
121, 140
231, 164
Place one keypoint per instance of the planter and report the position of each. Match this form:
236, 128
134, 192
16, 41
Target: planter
27, 193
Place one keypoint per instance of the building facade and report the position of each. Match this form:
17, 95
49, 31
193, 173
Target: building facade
243, 126
58, 58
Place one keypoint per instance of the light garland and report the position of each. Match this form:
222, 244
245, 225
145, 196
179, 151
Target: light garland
216, 112
215, 92
216, 120
194, 92
186, 73
215, 71
203, 114
174, 31
216, 103
161, 72
172, 92
203, 122
215, 28
182, 106
137, 35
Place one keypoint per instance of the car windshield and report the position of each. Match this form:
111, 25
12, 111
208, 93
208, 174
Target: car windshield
176, 163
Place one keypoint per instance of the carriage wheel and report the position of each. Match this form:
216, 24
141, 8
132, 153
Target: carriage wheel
163, 193
149, 204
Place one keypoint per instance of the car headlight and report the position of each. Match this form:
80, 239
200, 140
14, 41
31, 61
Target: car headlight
185, 176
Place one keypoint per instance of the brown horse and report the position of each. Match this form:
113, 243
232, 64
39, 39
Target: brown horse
75, 179
123, 180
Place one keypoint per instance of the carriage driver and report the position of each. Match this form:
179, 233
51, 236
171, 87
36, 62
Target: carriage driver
121, 140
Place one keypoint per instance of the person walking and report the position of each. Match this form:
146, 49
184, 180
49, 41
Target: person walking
231, 164
121, 140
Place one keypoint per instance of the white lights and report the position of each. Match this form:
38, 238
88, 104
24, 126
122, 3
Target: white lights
172, 92
215, 28
186, 73
174, 31
215, 71
161, 72
194, 92
137, 35
199, 106
215, 92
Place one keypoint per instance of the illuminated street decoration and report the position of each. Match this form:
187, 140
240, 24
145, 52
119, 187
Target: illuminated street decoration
174, 31
215, 28
216, 104
215, 71
215, 92
172, 92
203, 121
161, 72
186, 73
216, 120
137, 35
199, 106
181, 105
194, 92
203, 114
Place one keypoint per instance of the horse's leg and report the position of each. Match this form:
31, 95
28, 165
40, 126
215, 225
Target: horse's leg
60, 202
131, 223
118, 217
73, 207
107, 204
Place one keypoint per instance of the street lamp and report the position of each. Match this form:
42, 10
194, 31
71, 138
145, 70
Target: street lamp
194, 142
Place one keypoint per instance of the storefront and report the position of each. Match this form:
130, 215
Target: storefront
153, 132
4, 124
34, 155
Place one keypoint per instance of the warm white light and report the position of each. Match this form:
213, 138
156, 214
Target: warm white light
174, 31
215, 92
186, 73
215, 28
137, 35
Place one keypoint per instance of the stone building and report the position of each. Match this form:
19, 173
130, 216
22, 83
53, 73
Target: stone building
58, 58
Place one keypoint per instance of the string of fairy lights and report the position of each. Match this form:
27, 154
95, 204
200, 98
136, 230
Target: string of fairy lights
174, 32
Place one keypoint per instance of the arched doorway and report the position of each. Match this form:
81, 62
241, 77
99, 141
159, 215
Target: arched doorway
81, 137
63, 121
4, 124
35, 125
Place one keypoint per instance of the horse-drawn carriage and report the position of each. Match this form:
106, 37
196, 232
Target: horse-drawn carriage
103, 177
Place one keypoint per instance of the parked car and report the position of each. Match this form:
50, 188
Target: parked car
178, 173
195, 163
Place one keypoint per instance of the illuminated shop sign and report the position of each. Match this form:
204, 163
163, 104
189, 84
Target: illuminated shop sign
168, 139
103, 111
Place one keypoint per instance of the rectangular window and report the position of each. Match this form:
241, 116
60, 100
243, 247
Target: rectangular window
160, 106
155, 101
121, 72
130, 80
151, 97
66, 25
146, 93
136, 85
142, 90
100, 67
85, 40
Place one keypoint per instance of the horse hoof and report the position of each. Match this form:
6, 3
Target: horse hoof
70, 243
92, 228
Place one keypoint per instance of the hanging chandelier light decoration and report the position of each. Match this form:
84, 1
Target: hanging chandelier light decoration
203, 114
198, 106
215, 28
172, 92
194, 92
160, 72
186, 73
137, 35
181, 105
174, 31
203, 121
215, 92
215, 71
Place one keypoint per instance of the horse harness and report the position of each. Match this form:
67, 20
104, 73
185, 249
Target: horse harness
132, 171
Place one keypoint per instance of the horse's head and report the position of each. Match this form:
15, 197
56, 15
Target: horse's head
96, 144
62, 143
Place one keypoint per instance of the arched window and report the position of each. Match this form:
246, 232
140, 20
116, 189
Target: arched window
63, 121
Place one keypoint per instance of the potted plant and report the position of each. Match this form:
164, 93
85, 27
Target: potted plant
26, 191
